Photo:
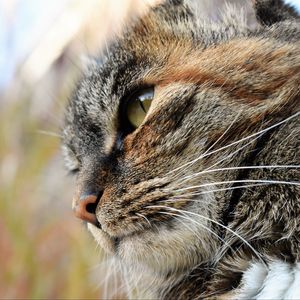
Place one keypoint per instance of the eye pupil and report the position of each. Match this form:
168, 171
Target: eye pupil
146, 103
138, 105
142, 106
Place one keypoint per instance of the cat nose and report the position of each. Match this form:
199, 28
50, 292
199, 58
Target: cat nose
85, 206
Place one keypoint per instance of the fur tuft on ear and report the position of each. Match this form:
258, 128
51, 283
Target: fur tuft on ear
214, 9
263, 12
209, 9
269, 12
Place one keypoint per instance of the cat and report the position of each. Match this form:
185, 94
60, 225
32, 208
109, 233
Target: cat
184, 140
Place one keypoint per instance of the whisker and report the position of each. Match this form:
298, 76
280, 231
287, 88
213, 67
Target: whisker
105, 280
228, 156
126, 281
178, 199
179, 196
115, 285
49, 133
144, 217
224, 133
201, 225
220, 138
233, 153
238, 141
218, 190
207, 171
239, 181
213, 221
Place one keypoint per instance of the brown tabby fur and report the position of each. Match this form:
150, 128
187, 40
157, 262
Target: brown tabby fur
217, 85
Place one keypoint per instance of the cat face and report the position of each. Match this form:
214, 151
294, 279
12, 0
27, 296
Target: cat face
162, 129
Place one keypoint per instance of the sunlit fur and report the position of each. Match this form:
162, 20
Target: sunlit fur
208, 184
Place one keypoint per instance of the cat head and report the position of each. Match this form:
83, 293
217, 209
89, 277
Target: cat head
166, 131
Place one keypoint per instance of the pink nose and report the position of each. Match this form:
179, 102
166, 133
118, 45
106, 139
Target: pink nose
85, 208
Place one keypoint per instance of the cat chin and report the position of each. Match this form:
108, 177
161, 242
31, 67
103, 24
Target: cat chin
161, 251
102, 238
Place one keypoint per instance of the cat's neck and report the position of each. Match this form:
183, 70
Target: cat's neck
145, 283
196, 284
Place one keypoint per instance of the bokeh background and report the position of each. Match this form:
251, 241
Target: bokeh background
45, 253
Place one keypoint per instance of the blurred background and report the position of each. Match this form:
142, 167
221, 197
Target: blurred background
44, 251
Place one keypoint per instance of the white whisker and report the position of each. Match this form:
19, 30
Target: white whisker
213, 221
105, 280
50, 133
220, 138
233, 153
179, 196
208, 170
144, 217
238, 141
201, 225
226, 157
217, 190
239, 181
115, 285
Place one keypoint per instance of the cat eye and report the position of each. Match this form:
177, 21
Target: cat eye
138, 105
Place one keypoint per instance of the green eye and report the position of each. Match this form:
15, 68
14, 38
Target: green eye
138, 106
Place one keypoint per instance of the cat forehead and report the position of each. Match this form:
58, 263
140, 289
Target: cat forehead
173, 22
145, 45
150, 39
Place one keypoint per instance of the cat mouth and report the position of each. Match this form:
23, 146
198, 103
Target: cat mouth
107, 242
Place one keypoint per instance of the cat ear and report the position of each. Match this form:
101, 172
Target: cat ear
269, 12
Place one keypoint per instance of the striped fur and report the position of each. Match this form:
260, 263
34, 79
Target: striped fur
227, 98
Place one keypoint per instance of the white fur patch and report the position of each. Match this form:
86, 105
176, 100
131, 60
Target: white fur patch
280, 281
